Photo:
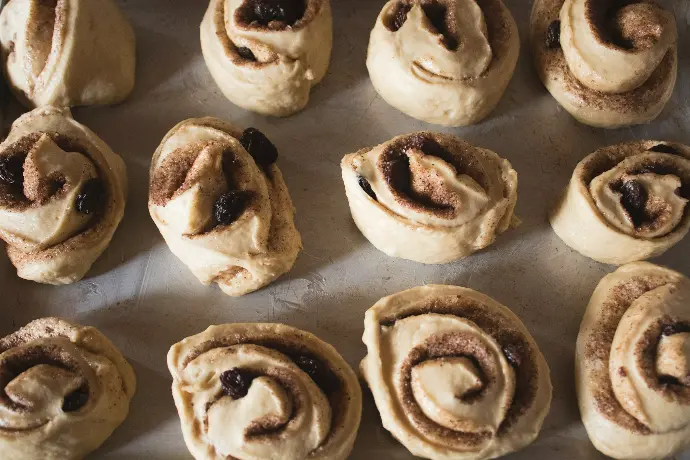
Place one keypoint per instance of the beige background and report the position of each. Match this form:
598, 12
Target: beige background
144, 299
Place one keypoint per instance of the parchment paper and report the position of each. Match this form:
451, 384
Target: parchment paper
144, 299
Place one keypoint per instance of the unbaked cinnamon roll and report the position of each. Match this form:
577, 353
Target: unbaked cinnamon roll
430, 197
454, 373
609, 63
255, 391
266, 55
62, 196
446, 62
65, 389
67, 52
633, 363
626, 202
222, 206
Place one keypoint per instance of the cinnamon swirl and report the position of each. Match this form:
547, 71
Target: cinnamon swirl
67, 52
251, 391
222, 206
62, 196
609, 63
430, 197
65, 389
446, 62
266, 55
454, 373
633, 363
626, 202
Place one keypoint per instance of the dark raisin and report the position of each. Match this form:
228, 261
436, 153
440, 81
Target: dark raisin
287, 11
634, 199
668, 380
655, 168
236, 382
75, 400
230, 206
315, 369
246, 53
513, 356
366, 186
400, 17
663, 148
91, 197
12, 170
259, 147
553, 35
675, 328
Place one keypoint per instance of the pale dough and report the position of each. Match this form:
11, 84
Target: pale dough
306, 418
78, 52
454, 374
48, 239
73, 391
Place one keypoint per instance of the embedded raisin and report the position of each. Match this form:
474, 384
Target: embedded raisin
246, 53
553, 35
236, 382
12, 170
230, 206
259, 147
512, 354
663, 148
287, 11
91, 197
366, 186
75, 400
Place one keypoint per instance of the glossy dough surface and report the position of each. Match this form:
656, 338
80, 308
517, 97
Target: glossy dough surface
74, 52
633, 363
270, 67
606, 73
303, 400
430, 197
446, 62
54, 161
626, 202
65, 390
455, 374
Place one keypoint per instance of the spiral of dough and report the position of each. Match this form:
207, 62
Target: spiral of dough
67, 52
430, 197
62, 196
267, 62
256, 391
65, 388
633, 363
454, 374
626, 202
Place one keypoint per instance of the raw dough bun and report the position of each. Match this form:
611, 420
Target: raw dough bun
199, 161
626, 202
300, 400
65, 389
632, 363
57, 164
446, 62
454, 374
269, 69
430, 197
77, 52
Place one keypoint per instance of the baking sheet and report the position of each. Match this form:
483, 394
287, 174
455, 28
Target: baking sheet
144, 299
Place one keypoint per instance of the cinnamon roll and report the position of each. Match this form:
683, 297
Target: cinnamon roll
222, 206
62, 196
65, 389
253, 391
430, 197
626, 202
633, 363
454, 373
446, 62
609, 63
266, 55
67, 52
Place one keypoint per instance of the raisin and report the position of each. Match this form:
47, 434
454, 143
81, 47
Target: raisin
400, 17
675, 328
91, 197
663, 148
366, 186
512, 354
246, 53
315, 369
230, 206
259, 147
236, 382
287, 11
553, 35
75, 400
634, 199
12, 170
